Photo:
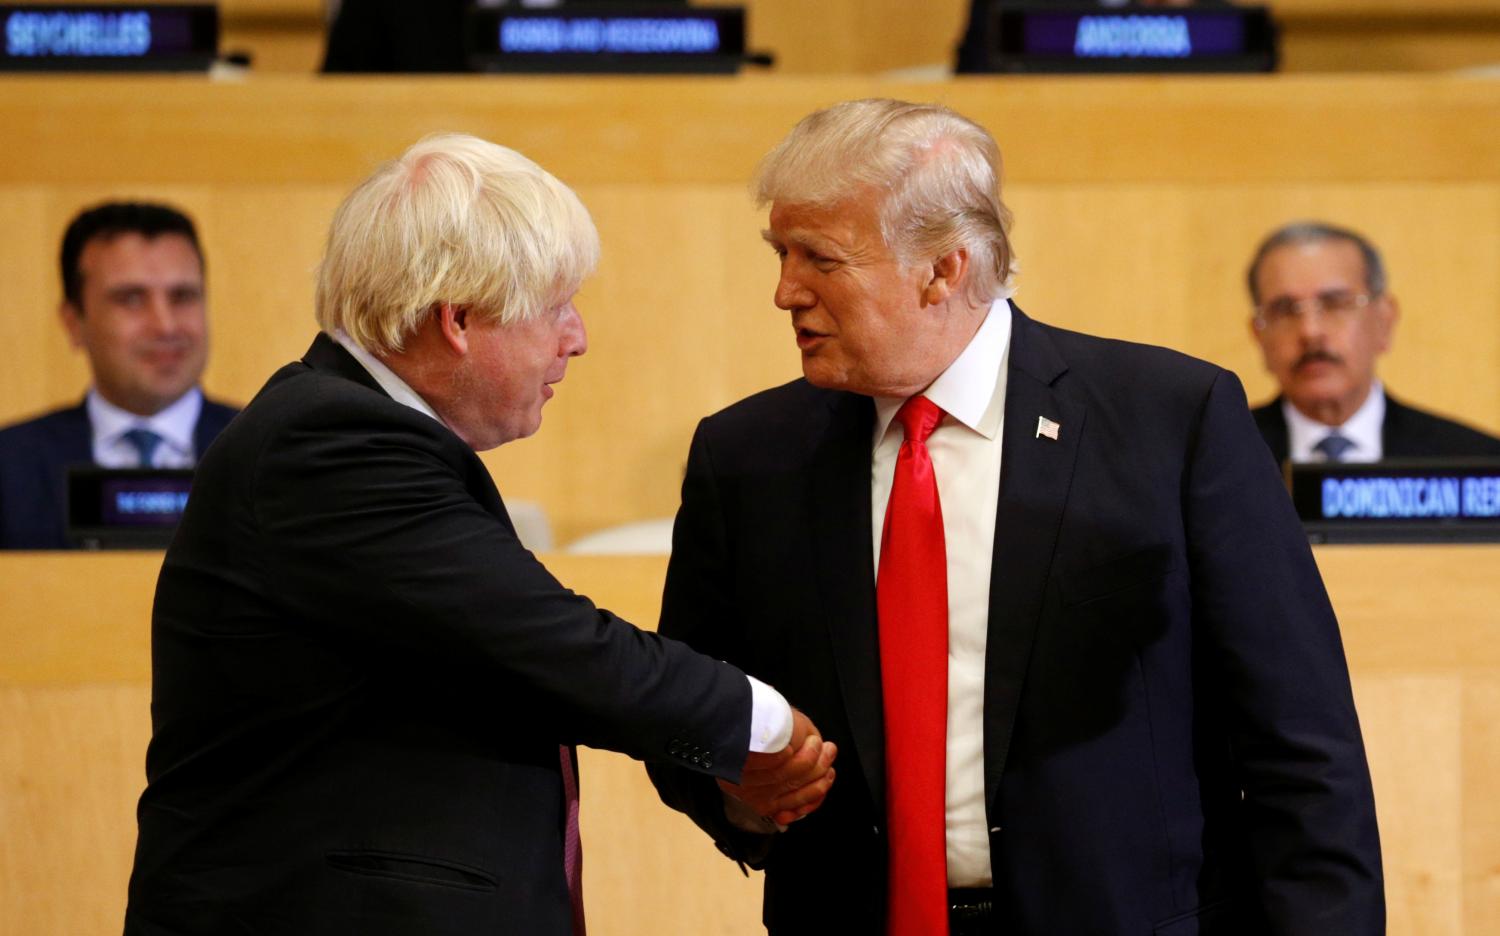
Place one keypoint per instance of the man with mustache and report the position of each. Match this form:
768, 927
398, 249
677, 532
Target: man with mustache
134, 303
1322, 317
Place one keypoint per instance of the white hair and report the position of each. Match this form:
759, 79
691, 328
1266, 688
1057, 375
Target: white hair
457, 220
940, 173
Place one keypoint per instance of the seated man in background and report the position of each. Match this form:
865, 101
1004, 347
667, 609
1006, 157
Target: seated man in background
133, 300
1322, 317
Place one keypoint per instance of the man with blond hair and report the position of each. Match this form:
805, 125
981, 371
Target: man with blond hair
1043, 590
365, 691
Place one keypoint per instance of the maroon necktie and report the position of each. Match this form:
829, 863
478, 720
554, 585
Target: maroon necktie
912, 597
572, 843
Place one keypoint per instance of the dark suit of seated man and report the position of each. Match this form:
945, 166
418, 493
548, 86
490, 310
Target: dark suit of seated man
365, 690
133, 301
1323, 315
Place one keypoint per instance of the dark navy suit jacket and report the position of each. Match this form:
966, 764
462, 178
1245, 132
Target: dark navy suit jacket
1406, 433
34, 458
1170, 740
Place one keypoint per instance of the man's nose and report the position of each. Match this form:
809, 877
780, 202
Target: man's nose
161, 315
791, 294
1310, 324
575, 338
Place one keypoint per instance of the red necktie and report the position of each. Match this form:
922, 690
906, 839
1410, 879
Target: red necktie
912, 598
572, 842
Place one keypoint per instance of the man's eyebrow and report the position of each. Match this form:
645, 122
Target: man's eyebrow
809, 239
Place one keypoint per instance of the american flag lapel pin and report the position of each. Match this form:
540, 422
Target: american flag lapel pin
1046, 428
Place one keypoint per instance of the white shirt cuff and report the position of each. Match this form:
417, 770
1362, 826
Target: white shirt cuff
770, 719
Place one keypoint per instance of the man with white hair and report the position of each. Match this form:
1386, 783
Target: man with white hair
1043, 590
365, 691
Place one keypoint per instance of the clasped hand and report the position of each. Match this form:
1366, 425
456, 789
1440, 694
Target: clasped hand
792, 782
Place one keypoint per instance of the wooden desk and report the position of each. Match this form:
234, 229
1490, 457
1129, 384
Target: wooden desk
1421, 627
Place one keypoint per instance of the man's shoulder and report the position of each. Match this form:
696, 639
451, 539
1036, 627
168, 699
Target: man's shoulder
45, 431
779, 426
302, 402
1413, 432
1116, 374
1109, 357
790, 403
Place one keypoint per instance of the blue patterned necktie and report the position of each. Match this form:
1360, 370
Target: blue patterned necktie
145, 443
1334, 446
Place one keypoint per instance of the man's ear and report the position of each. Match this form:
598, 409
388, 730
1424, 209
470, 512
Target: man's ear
453, 325
72, 322
946, 277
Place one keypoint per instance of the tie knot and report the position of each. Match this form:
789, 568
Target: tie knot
1333, 446
145, 443
919, 416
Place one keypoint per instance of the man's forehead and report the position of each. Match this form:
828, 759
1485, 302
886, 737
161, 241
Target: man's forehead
1310, 263
129, 254
842, 225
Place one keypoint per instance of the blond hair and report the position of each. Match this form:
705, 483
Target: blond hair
938, 170
458, 220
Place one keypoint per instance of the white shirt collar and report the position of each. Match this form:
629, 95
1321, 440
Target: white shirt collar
396, 388
972, 389
175, 423
1363, 429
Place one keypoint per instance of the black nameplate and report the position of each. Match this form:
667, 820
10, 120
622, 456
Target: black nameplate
125, 508
97, 37
1415, 500
607, 38
1090, 38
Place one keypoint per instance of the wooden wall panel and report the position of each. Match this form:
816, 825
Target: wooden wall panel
1137, 203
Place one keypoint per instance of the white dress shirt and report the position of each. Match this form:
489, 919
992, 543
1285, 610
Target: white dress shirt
965, 450
174, 425
1363, 429
770, 717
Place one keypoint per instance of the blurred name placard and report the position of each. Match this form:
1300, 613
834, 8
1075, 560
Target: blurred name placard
97, 37
126, 508
600, 38
1413, 500
1091, 38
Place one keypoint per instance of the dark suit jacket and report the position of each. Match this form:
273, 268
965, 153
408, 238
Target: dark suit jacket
1170, 742
361, 679
34, 458
1406, 433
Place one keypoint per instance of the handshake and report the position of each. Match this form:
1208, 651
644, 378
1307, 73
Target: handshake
786, 785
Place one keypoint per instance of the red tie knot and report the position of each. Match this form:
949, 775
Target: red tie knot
919, 416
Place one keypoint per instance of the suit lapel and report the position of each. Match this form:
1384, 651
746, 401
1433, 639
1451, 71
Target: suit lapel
1035, 474
841, 537
75, 436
